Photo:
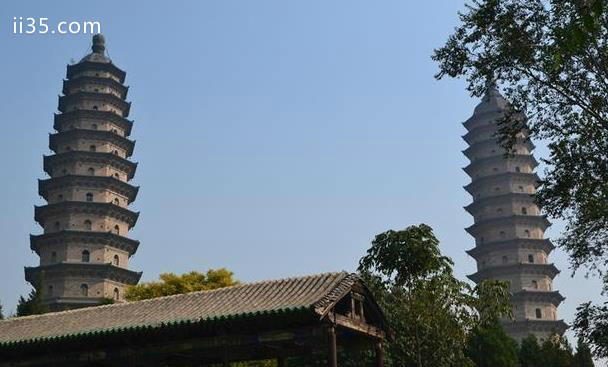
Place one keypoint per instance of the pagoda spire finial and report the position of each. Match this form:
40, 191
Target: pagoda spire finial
99, 43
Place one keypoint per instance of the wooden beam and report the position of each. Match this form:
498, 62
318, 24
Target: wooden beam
358, 326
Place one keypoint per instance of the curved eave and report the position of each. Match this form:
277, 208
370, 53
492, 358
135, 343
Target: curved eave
71, 135
107, 209
524, 243
558, 326
553, 297
522, 158
538, 220
501, 177
93, 270
522, 268
498, 199
108, 182
123, 105
469, 152
62, 119
94, 157
91, 237
470, 136
95, 66
478, 119
93, 80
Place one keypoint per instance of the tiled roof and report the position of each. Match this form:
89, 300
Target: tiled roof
312, 292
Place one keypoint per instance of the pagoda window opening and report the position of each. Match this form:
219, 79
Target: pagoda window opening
50, 291
64, 171
115, 131
517, 169
502, 234
60, 197
57, 226
116, 294
524, 211
495, 169
116, 229
539, 313
497, 188
534, 284
53, 257
117, 176
95, 108
96, 89
84, 290
68, 148
116, 201
88, 225
505, 259
521, 188
499, 211
94, 126
86, 256
116, 260
527, 233
115, 152
89, 196
481, 240
531, 259
91, 171
93, 148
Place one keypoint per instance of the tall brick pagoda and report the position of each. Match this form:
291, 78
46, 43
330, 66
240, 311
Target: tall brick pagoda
508, 226
84, 249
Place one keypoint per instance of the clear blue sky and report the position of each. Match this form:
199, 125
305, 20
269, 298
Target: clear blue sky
274, 138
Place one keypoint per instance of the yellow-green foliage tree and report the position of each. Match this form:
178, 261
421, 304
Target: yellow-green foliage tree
171, 283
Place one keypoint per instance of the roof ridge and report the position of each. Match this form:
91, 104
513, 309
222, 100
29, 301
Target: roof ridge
236, 286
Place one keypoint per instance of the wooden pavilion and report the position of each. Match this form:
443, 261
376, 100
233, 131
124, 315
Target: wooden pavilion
313, 316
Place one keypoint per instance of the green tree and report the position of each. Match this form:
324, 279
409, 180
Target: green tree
549, 59
431, 311
557, 352
582, 357
490, 346
171, 283
32, 305
530, 354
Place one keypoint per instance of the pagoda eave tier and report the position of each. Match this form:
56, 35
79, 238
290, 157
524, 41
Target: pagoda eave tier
98, 182
488, 181
96, 238
520, 268
90, 96
506, 199
518, 243
101, 135
539, 221
75, 156
90, 66
531, 325
553, 297
81, 270
85, 81
484, 130
481, 119
492, 144
499, 159
42, 213
63, 121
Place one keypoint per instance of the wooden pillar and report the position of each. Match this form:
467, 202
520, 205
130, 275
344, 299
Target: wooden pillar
379, 354
332, 350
